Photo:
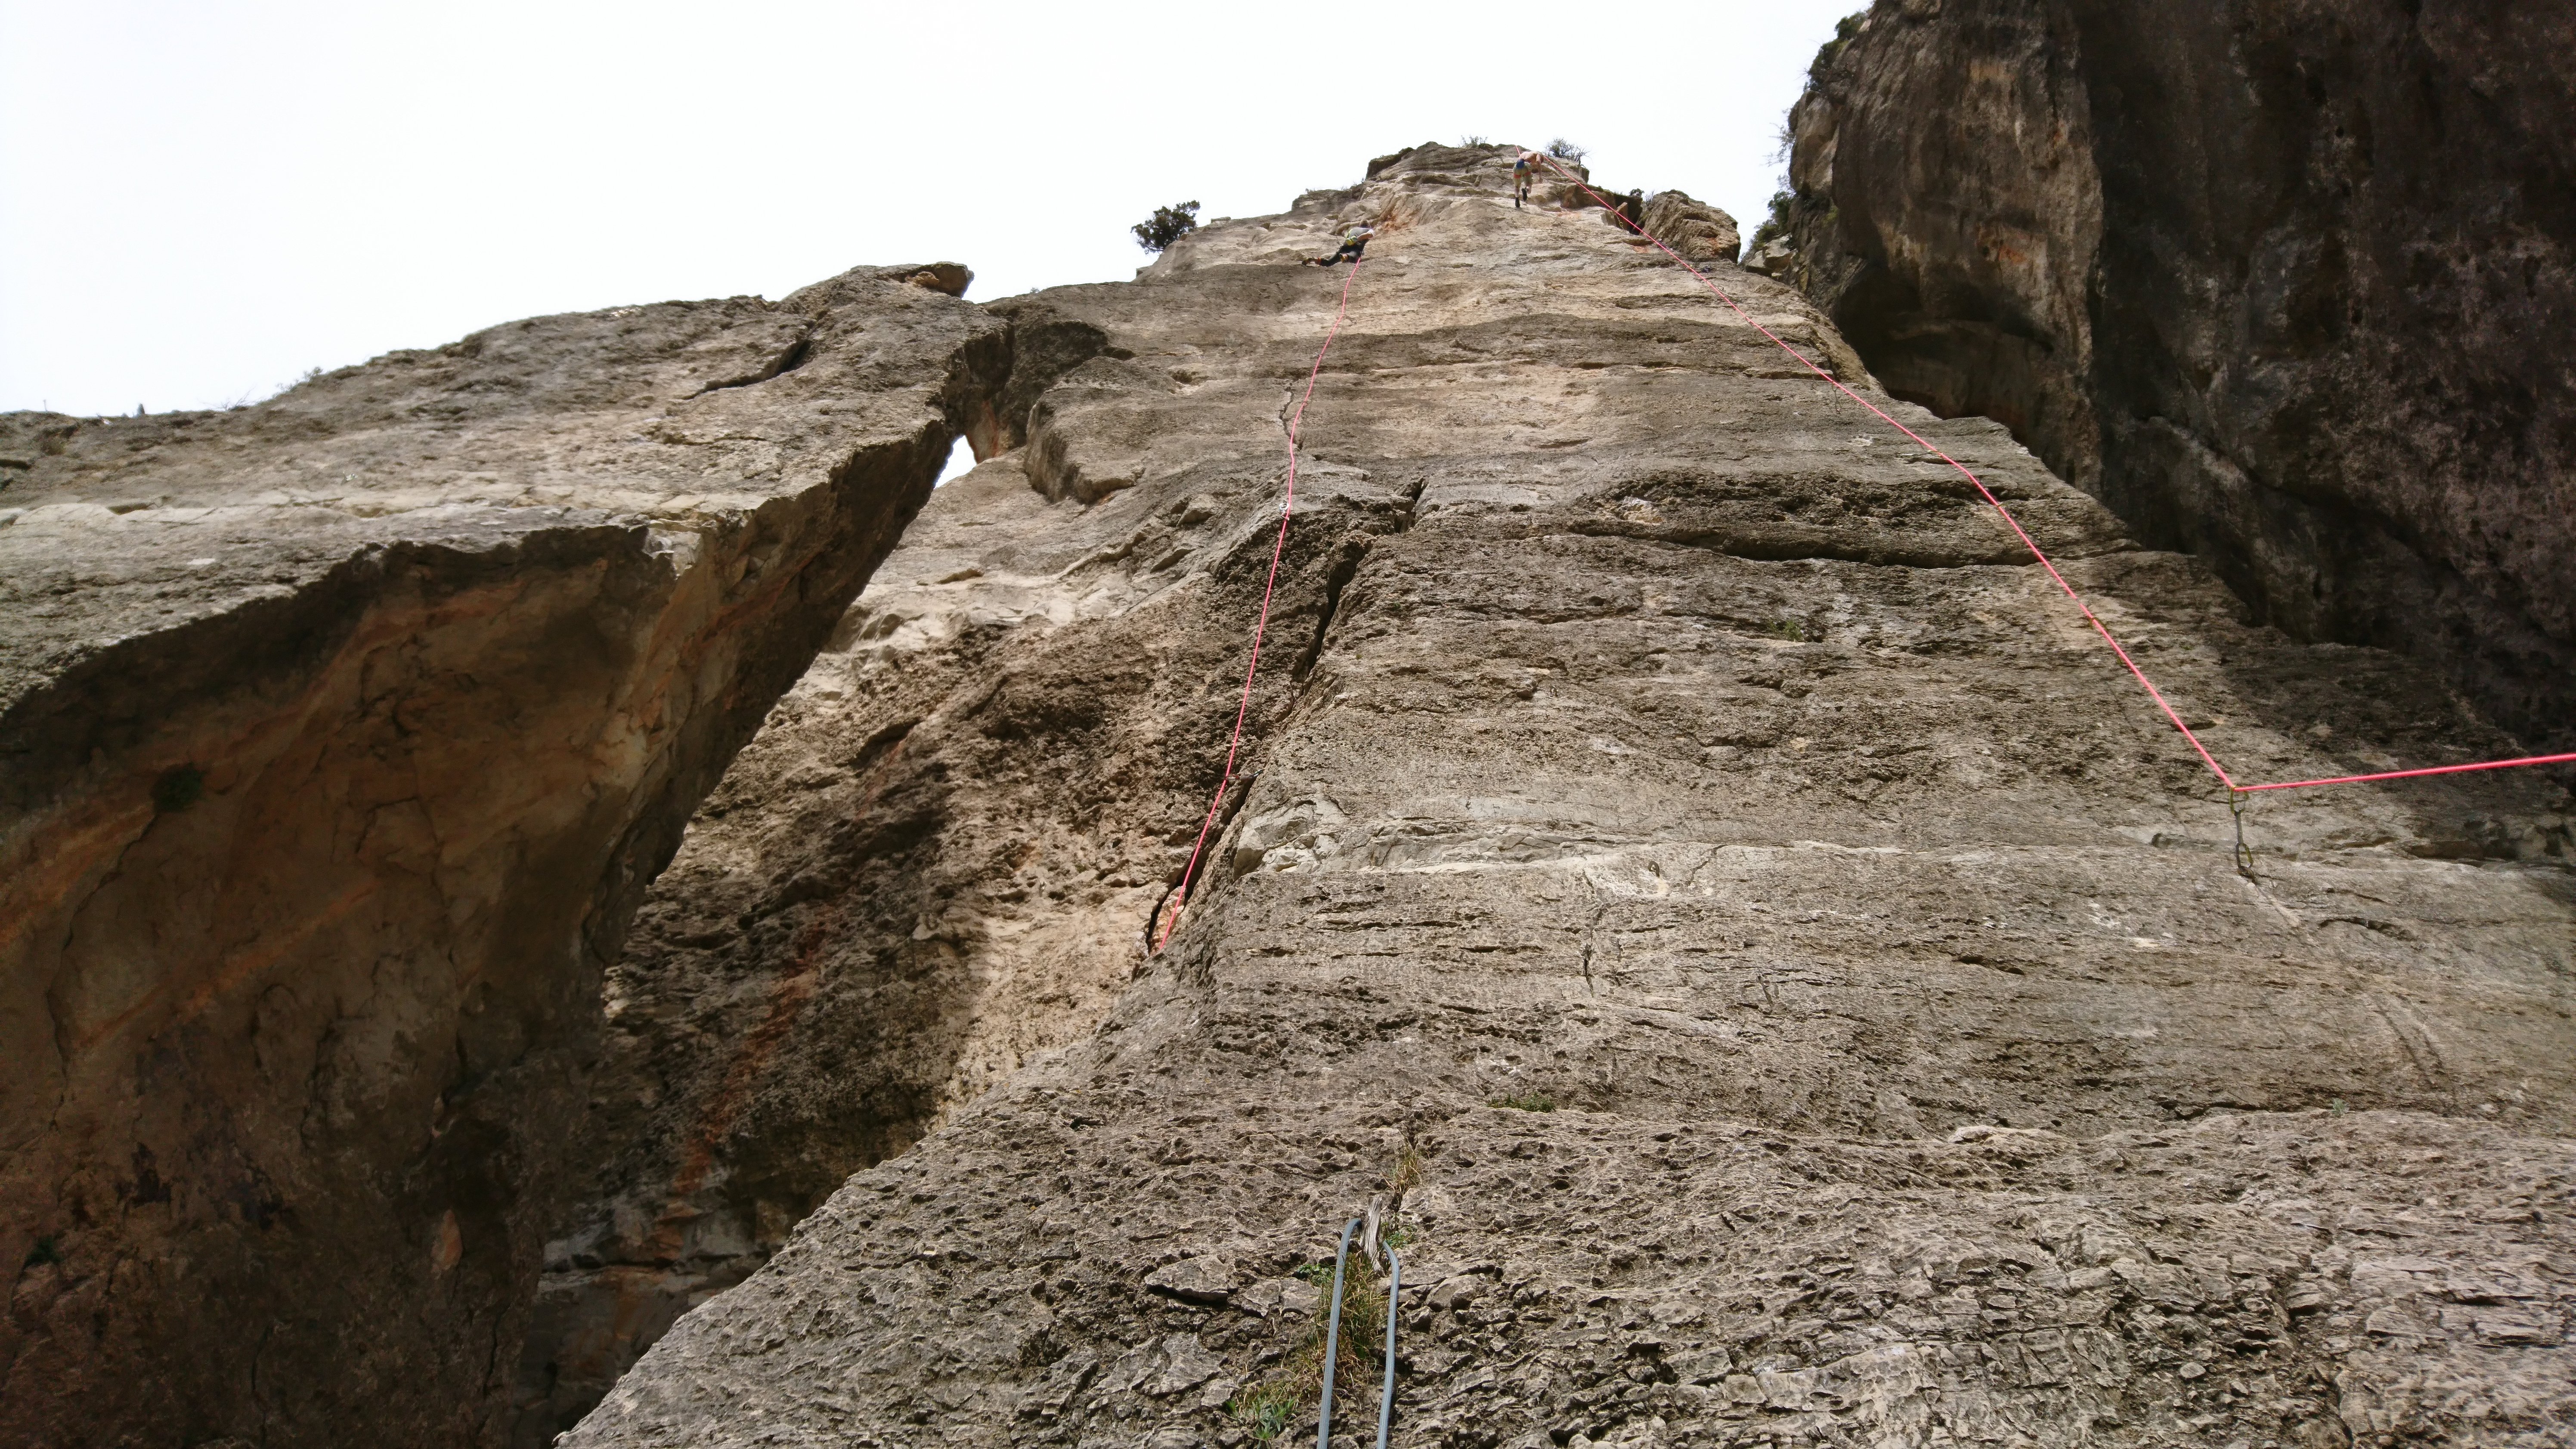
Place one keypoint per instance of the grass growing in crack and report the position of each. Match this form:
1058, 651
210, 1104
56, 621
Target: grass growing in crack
1267, 1409
1526, 1102
1789, 629
1265, 1412
1406, 1175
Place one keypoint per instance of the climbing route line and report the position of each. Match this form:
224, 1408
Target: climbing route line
2036, 552
1180, 894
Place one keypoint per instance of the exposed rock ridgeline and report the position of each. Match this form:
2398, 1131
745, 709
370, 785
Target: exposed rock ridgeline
2286, 283
339, 738
1696, 873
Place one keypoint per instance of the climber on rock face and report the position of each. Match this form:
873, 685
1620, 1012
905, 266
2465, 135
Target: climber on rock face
1524, 171
1354, 241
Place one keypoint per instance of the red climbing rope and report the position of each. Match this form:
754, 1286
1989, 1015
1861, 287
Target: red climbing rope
2027, 542
1278, 547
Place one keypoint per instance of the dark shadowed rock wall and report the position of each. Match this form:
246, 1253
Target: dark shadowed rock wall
339, 738
2286, 283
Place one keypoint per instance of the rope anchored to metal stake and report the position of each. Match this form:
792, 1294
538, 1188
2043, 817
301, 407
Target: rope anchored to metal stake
1333, 1340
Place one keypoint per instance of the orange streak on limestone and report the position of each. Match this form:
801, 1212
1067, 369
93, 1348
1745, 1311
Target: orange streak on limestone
787, 998
236, 969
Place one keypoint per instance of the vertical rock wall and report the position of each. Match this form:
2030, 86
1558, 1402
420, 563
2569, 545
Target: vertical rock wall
1699, 881
935, 864
2286, 283
339, 737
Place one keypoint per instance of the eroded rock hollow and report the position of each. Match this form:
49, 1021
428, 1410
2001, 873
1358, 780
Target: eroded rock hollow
1771, 972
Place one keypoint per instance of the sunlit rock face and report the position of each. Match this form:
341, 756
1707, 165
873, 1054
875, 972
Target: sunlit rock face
339, 738
2285, 283
1688, 868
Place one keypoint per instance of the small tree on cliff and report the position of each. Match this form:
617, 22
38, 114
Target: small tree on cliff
1777, 223
1167, 225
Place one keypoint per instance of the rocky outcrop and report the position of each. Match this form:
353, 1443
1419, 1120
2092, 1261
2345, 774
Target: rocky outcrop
339, 738
2286, 283
1696, 230
935, 864
1696, 876
888, 908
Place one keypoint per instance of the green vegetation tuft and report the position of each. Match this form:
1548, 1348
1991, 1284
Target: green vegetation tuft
1266, 1411
1526, 1102
1167, 225
1777, 223
1269, 1407
1407, 1172
1831, 50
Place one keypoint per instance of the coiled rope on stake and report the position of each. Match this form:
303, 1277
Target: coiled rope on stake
1157, 932
2236, 790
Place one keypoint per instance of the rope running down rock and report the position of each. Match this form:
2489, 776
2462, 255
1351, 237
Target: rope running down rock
1261, 626
2035, 552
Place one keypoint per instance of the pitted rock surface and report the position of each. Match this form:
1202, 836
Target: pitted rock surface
338, 739
1779, 979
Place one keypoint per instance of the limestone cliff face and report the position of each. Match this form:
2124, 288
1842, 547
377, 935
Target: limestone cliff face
1696, 876
2286, 283
339, 737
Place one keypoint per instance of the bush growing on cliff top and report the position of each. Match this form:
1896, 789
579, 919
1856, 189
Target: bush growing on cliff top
1844, 30
1776, 224
1565, 150
1167, 225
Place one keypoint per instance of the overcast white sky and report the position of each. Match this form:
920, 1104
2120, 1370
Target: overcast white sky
199, 201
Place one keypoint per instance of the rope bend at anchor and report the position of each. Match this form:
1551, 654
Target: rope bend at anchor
1333, 1340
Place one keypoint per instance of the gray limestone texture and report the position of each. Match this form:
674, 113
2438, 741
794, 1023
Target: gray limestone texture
1694, 877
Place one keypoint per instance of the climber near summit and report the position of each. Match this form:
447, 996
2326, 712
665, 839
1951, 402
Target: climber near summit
1524, 171
1354, 241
